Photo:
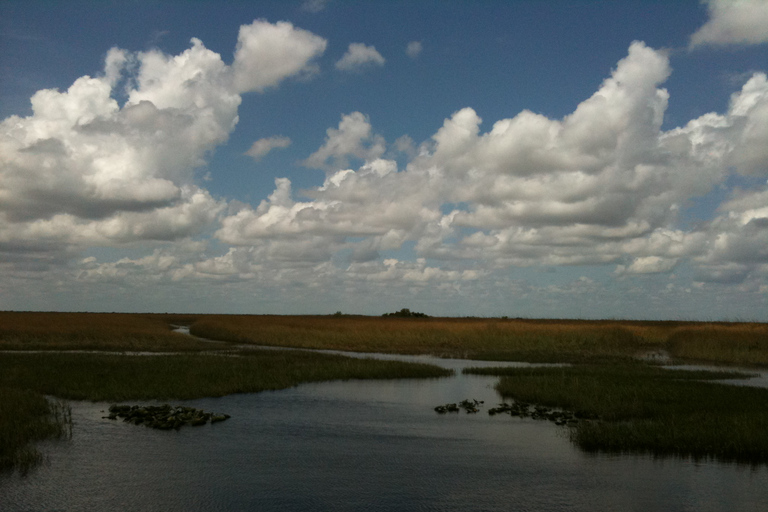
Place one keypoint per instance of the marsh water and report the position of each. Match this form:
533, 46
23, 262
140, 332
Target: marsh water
363, 445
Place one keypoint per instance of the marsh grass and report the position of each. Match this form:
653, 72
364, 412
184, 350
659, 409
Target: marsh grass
495, 339
26, 417
737, 344
645, 409
118, 377
473, 338
498, 339
95, 331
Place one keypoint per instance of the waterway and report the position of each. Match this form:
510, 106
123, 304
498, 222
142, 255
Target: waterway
363, 445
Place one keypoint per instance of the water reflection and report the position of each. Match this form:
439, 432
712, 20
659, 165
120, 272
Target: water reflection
362, 445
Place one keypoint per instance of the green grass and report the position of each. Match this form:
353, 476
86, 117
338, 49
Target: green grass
26, 417
643, 409
118, 377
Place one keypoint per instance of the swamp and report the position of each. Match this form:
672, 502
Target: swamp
416, 403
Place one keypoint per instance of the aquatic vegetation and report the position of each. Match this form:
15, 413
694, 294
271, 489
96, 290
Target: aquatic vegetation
470, 406
163, 417
26, 417
119, 377
636, 408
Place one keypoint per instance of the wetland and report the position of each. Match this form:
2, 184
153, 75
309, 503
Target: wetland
651, 437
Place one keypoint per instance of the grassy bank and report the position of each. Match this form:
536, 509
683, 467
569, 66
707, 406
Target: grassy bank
643, 409
26, 417
499, 339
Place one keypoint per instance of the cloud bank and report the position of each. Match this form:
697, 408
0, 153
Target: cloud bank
603, 186
83, 170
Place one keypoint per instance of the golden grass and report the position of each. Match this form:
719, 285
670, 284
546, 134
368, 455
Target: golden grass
531, 340
476, 338
94, 331
499, 339
738, 344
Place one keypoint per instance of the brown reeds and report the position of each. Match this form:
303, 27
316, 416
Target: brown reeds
498, 339
94, 331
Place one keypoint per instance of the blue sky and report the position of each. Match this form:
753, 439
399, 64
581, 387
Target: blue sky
538, 159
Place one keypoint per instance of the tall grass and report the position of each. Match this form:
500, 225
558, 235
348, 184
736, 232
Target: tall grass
94, 331
498, 339
474, 338
739, 344
26, 417
470, 338
649, 410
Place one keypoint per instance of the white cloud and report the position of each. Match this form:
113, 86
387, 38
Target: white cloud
83, 170
603, 185
358, 57
268, 53
414, 49
354, 137
263, 146
733, 22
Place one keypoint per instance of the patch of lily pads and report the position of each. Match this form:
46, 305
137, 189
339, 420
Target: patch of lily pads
519, 409
471, 406
163, 417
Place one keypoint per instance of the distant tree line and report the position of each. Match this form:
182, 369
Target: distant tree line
406, 313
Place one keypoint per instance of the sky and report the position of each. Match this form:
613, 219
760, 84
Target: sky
563, 159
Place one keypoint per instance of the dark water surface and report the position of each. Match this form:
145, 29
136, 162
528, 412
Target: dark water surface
362, 445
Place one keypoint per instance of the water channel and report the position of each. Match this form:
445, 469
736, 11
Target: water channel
363, 445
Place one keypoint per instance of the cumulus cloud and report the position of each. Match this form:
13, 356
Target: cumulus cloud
83, 170
358, 57
268, 53
732, 22
353, 138
263, 146
603, 185
413, 49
